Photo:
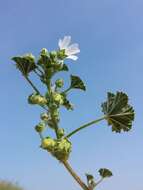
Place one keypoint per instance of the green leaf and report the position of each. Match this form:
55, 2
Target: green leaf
105, 173
67, 103
77, 83
89, 177
64, 68
90, 181
25, 64
119, 114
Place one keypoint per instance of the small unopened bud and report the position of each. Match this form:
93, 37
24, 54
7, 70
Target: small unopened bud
44, 117
62, 149
58, 98
48, 143
44, 51
53, 54
41, 100
40, 127
37, 99
59, 83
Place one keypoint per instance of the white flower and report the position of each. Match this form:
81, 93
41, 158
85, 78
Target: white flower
70, 49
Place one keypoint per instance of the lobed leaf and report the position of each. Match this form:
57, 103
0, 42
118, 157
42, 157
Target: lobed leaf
25, 64
119, 114
105, 173
77, 83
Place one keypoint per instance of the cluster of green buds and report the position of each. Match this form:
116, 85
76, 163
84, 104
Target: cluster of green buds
59, 148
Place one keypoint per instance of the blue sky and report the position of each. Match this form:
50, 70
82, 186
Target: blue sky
110, 35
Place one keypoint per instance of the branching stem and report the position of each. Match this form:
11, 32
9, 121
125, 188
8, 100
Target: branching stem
84, 126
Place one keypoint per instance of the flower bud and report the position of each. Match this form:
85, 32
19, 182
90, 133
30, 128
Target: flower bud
62, 149
48, 143
59, 83
41, 100
37, 99
60, 132
40, 127
44, 116
53, 54
58, 98
44, 51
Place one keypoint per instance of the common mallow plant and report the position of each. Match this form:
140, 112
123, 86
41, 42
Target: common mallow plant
116, 110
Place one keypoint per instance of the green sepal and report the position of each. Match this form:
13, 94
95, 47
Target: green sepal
105, 173
61, 54
77, 83
25, 64
119, 114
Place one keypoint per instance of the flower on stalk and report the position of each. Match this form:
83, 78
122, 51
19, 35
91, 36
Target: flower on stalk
70, 49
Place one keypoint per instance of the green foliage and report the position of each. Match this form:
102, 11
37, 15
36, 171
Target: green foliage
4, 185
25, 64
118, 112
64, 67
77, 83
105, 173
90, 181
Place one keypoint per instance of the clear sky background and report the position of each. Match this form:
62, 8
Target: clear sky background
110, 35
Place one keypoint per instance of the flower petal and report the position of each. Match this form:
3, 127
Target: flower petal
73, 57
63, 44
72, 49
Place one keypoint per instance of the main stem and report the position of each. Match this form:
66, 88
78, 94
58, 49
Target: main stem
75, 176
51, 111
67, 165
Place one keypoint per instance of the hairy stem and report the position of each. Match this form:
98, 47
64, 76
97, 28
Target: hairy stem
84, 126
75, 176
